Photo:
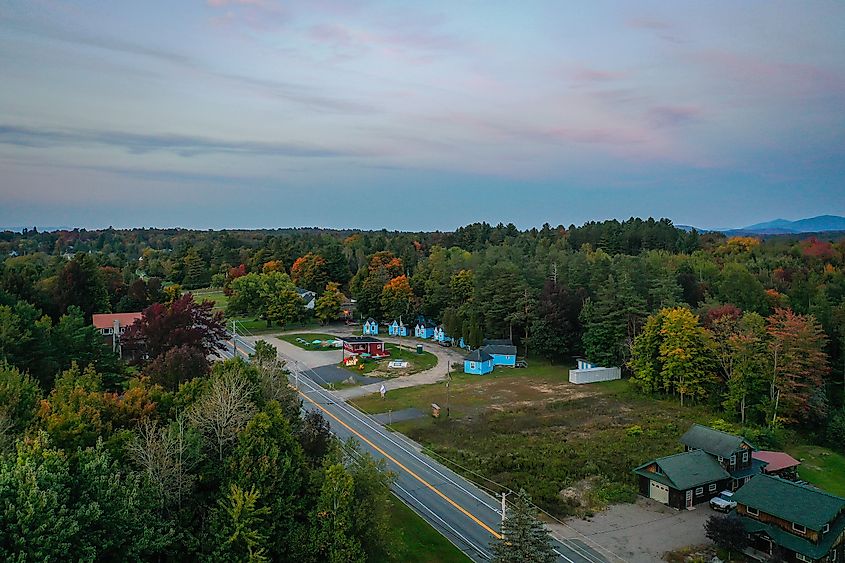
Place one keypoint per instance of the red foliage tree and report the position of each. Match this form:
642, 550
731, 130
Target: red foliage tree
179, 364
799, 365
728, 310
184, 322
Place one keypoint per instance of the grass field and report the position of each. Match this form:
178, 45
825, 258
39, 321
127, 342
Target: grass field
531, 428
821, 467
417, 541
216, 296
309, 337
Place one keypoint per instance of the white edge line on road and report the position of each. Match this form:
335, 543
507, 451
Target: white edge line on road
443, 522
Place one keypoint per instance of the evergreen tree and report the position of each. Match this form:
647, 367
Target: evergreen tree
524, 538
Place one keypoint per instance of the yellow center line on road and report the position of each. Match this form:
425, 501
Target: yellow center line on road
494, 533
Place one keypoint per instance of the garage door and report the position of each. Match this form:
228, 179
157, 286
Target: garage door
659, 492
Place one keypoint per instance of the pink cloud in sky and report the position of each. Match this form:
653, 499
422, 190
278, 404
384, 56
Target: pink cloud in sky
671, 116
768, 76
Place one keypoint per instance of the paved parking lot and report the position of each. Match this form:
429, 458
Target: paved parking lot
641, 532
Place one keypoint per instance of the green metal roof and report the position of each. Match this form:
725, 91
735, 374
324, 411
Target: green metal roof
755, 468
793, 502
713, 441
685, 470
793, 542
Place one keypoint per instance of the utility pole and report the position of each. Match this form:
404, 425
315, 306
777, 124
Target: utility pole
234, 340
504, 494
554, 273
448, 381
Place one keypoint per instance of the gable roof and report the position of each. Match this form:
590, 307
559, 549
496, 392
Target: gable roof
713, 441
359, 339
371, 321
685, 470
478, 356
790, 501
793, 542
106, 320
426, 324
775, 461
303, 292
500, 349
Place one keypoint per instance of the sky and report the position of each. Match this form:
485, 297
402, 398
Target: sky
419, 115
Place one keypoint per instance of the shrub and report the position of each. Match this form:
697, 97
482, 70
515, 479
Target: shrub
635, 430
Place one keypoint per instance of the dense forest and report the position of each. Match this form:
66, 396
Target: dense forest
122, 460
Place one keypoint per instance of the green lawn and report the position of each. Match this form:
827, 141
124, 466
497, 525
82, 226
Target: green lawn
821, 467
216, 296
309, 337
416, 541
418, 363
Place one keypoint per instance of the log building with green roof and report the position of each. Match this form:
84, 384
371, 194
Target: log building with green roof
791, 521
682, 480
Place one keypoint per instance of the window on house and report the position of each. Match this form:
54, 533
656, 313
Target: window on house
744, 456
712, 487
752, 511
799, 528
826, 528
472, 365
800, 557
699, 491
733, 459
721, 459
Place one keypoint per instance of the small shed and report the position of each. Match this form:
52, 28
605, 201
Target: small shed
478, 362
424, 329
588, 372
370, 327
441, 336
397, 328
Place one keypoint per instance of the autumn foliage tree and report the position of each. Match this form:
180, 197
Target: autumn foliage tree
799, 365
310, 272
397, 298
183, 324
674, 354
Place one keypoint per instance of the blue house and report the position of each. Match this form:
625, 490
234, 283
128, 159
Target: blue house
440, 335
461, 343
503, 352
396, 328
424, 329
370, 327
478, 362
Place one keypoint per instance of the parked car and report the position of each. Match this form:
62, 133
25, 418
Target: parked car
723, 502
445, 343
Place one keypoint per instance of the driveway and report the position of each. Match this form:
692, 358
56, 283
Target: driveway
308, 358
641, 532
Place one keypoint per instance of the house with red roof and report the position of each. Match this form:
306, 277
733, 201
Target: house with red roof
113, 325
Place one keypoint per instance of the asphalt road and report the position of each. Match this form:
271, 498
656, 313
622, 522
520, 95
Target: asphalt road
466, 515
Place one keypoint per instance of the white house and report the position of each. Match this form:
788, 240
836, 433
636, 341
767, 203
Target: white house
309, 298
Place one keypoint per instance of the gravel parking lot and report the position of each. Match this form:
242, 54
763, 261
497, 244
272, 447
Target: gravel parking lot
641, 532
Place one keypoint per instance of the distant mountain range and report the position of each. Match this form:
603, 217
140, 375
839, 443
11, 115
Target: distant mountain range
785, 227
